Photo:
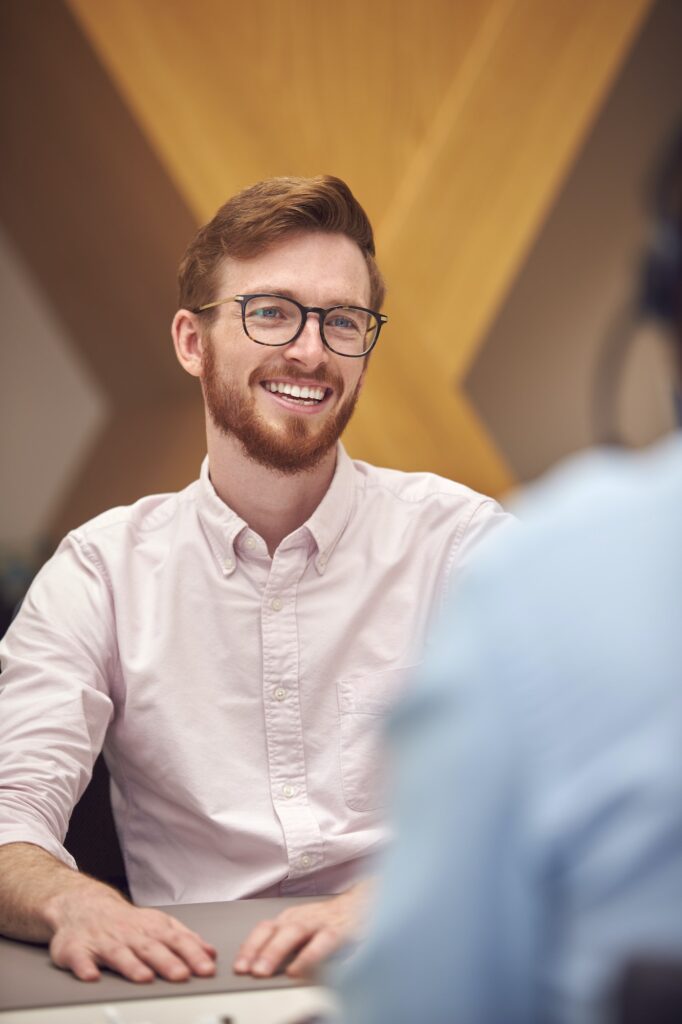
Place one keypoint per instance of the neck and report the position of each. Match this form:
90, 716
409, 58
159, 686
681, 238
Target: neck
273, 504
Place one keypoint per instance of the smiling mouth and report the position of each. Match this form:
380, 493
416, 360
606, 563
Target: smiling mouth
297, 394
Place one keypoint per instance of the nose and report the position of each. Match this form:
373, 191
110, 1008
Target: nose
308, 349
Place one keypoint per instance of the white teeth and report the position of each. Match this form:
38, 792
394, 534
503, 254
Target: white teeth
304, 393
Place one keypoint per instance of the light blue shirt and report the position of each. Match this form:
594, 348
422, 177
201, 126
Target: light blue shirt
539, 767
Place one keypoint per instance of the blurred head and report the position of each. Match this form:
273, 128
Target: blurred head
265, 214
658, 296
662, 279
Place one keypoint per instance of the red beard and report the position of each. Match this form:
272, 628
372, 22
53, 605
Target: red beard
300, 444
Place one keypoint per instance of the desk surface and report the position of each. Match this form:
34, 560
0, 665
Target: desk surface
28, 979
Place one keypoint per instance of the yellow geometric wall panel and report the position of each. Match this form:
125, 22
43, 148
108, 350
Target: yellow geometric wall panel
455, 123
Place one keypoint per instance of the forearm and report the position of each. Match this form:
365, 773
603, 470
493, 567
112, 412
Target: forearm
33, 887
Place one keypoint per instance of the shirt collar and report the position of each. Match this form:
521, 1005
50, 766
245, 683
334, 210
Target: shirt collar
325, 526
221, 525
331, 516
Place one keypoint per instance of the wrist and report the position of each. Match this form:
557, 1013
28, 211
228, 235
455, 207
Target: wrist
58, 907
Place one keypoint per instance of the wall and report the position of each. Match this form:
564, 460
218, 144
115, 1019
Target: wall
126, 123
534, 379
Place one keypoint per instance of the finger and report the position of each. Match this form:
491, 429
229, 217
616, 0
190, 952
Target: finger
120, 958
319, 948
252, 945
209, 949
162, 959
76, 960
197, 954
285, 941
189, 946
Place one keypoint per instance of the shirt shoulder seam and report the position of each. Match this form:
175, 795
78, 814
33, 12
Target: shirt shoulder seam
461, 529
454, 490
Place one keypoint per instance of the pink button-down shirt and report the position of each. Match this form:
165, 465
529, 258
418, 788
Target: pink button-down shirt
239, 697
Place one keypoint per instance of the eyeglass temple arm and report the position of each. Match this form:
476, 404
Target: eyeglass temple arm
220, 302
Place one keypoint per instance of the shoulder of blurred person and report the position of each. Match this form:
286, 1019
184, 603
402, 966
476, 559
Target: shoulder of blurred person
539, 764
600, 536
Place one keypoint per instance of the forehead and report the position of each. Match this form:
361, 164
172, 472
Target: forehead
318, 268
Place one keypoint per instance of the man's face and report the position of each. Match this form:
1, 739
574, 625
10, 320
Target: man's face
240, 377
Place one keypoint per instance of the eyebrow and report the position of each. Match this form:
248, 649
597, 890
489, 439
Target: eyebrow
286, 293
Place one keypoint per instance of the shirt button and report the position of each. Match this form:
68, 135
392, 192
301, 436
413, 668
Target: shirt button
305, 861
276, 604
322, 561
228, 565
250, 543
289, 791
280, 693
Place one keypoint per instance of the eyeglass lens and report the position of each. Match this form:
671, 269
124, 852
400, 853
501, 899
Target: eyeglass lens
272, 320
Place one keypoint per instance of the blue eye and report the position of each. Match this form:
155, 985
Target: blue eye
271, 310
266, 312
343, 323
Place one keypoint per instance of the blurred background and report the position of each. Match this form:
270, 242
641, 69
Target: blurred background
502, 148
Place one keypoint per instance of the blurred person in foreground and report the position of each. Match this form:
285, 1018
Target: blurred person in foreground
232, 647
539, 761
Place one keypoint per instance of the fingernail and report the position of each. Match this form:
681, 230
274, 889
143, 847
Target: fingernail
261, 967
206, 966
242, 964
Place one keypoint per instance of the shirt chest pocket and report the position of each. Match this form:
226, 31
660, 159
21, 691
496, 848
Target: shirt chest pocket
364, 702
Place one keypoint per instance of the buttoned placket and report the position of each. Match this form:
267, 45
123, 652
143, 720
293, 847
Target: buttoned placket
283, 724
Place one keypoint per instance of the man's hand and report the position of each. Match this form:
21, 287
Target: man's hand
88, 925
312, 931
100, 929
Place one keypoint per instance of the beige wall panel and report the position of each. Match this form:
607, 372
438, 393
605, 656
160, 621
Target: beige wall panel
454, 122
50, 407
146, 448
99, 226
85, 202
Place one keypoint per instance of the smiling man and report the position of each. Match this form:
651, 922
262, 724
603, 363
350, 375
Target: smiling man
232, 648
300, 381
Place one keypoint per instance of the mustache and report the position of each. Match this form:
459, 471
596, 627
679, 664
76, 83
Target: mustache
278, 369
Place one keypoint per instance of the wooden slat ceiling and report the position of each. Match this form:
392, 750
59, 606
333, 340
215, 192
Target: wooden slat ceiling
455, 123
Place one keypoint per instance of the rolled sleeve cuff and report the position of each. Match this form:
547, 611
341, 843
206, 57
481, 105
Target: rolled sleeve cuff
37, 837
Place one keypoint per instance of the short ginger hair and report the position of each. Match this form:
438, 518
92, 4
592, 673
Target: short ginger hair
265, 213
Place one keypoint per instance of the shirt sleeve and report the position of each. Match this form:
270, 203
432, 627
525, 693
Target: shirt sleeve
453, 931
56, 660
487, 523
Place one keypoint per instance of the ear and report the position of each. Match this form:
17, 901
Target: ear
188, 341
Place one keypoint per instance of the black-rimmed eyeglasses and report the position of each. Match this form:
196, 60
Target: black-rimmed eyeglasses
277, 320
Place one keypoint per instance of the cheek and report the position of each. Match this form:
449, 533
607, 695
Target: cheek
356, 381
234, 367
